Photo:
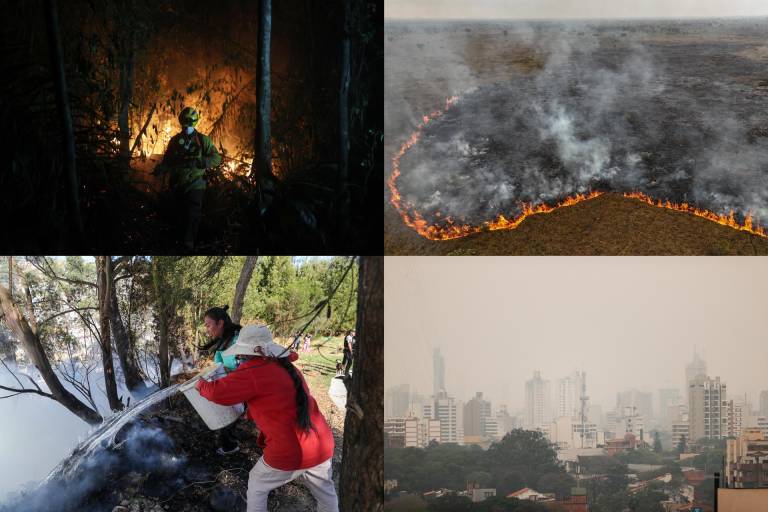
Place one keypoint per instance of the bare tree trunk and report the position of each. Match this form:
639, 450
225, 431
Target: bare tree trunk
104, 280
34, 350
342, 194
65, 118
262, 163
123, 344
242, 285
362, 471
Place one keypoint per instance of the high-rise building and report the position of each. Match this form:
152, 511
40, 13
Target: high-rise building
438, 368
476, 414
642, 402
450, 413
505, 422
736, 409
430, 431
761, 423
764, 403
595, 415
695, 368
746, 460
567, 394
397, 401
394, 428
680, 432
707, 408
538, 408
668, 398
411, 432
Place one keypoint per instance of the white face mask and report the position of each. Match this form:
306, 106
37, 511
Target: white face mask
189, 129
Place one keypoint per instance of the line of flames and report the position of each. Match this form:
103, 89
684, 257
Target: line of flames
449, 230
725, 220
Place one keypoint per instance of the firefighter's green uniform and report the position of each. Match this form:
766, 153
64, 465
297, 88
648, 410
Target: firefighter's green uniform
185, 160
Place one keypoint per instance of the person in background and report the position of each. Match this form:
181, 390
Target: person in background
222, 333
296, 440
349, 347
307, 342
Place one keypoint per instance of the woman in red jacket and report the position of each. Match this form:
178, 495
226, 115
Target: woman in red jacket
297, 441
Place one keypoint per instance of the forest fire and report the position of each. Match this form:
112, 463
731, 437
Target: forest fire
446, 228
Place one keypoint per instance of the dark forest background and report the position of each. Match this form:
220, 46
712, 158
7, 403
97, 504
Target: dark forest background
129, 67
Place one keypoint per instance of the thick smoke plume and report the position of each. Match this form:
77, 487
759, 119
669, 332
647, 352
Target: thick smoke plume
671, 109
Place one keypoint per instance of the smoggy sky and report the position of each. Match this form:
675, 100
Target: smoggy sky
629, 322
562, 9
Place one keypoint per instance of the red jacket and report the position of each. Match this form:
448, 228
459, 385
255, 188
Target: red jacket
269, 391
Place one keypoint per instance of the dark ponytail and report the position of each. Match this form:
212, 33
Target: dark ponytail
230, 328
302, 400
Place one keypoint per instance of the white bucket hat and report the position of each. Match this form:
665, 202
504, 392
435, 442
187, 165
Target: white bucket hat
255, 340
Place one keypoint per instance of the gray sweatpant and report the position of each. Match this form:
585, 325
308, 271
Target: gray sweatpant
318, 479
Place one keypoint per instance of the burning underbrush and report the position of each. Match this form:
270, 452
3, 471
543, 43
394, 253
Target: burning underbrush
163, 459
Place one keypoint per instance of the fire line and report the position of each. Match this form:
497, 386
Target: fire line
450, 230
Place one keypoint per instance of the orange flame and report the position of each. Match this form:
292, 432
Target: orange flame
449, 230
726, 220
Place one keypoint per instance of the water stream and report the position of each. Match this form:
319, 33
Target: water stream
104, 436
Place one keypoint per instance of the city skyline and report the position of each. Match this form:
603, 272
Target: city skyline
464, 311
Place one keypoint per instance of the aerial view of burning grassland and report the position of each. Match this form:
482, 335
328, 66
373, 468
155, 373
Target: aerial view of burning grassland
633, 136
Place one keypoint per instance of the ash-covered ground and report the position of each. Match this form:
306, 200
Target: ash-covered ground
677, 110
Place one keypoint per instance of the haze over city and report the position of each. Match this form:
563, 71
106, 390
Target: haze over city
627, 322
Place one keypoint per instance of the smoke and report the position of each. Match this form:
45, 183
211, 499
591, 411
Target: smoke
551, 110
95, 483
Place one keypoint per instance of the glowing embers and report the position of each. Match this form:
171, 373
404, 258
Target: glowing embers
446, 228
726, 220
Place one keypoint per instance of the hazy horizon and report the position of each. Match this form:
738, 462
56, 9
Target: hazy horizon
629, 323
558, 9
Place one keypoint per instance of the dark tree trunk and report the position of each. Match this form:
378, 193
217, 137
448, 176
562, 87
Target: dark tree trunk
10, 275
34, 350
362, 471
342, 195
242, 285
164, 362
104, 280
163, 309
123, 344
126, 95
262, 163
62, 104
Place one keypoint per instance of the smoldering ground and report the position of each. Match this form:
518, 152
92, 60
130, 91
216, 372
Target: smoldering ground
91, 482
676, 110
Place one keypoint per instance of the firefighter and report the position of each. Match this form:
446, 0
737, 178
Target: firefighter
296, 439
188, 155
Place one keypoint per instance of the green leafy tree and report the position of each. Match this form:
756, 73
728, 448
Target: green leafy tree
558, 483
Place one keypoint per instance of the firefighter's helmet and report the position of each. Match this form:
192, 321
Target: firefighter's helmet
189, 117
